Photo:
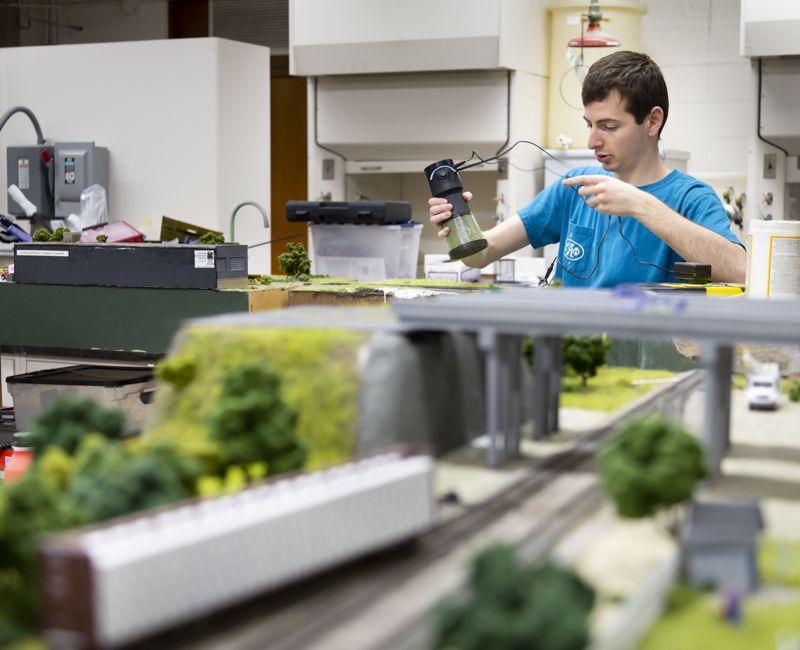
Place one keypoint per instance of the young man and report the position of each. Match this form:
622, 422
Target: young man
665, 216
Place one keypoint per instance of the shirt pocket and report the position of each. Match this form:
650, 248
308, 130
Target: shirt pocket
577, 248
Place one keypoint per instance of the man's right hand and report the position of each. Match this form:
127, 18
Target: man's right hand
440, 211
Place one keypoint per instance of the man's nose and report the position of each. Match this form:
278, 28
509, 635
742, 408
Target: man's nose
594, 140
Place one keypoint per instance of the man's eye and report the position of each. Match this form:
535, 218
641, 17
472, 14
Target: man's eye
611, 128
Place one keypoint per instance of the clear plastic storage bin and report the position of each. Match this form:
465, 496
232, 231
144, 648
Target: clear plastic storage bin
127, 388
366, 252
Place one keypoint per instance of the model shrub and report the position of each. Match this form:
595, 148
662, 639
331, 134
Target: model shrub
512, 605
582, 355
212, 238
794, 391
253, 423
295, 261
650, 464
178, 370
58, 234
69, 418
101, 239
41, 234
585, 355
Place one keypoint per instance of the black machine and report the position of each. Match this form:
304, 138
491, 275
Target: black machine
465, 237
145, 265
376, 213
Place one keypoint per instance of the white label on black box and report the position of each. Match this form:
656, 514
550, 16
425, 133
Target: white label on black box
32, 252
204, 259
23, 174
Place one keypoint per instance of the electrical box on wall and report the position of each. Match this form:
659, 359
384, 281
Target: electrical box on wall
30, 169
77, 166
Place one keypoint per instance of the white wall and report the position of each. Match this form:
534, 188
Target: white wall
696, 44
186, 123
108, 21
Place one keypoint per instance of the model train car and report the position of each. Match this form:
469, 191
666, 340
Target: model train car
127, 579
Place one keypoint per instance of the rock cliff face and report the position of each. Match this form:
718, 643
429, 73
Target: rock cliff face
786, 356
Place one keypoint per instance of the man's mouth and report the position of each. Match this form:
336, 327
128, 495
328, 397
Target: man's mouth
602, 158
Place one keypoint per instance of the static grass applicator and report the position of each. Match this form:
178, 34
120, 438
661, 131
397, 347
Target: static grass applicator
465, 237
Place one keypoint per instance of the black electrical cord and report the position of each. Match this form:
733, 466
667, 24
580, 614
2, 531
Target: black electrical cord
758, 118
465, 164
264, 243
633, 250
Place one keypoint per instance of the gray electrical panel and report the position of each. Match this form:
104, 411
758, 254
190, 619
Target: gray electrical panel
30, 169
77, 166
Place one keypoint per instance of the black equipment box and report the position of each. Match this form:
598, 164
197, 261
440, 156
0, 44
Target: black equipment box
144, 265
377, 213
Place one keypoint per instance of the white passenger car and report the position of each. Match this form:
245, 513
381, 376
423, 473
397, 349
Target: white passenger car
763, 390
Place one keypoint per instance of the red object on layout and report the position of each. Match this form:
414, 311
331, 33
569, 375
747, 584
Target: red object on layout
116, 231
5, 456
17, 465
594, 37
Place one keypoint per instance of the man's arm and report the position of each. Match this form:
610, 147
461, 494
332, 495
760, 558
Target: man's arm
691, 241
506, 237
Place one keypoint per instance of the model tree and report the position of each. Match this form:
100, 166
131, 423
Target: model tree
253, 423
295, 261
69, 419
211, 237
585, 355
652, 463
513, 605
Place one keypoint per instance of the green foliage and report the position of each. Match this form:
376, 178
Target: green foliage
212, 238
529, 351
515, 606
28, 508
58, 234
69, 418
113, 479
101, 239
650, 464
319, 380
794, 391
253, 423
584, 355
42, 234
295, 261
177, 370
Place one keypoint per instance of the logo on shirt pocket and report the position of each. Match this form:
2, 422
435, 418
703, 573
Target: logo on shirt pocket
577, 248
573, 251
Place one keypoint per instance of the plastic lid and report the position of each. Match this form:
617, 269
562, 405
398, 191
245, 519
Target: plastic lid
781, 227
108, 376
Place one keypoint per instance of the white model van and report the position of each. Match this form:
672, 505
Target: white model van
763, 388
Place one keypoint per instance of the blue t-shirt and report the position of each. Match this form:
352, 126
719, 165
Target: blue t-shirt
559, 214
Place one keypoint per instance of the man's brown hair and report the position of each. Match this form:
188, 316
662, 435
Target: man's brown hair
637, 79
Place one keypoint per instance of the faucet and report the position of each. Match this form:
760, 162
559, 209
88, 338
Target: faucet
241, 205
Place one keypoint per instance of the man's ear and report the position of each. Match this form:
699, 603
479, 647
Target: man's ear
654, 120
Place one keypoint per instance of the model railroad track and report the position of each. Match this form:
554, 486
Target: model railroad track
304, 614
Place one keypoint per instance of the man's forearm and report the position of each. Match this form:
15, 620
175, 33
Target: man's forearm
693, 242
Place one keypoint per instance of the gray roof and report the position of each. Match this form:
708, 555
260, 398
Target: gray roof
724, 523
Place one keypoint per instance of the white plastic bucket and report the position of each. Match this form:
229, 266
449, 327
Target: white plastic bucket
773, 259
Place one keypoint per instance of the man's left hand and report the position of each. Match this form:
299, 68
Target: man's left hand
609, 195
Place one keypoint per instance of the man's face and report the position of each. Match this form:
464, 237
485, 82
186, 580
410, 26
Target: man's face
617, 140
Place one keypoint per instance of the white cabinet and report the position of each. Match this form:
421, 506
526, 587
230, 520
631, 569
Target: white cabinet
769, 28
328, 37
